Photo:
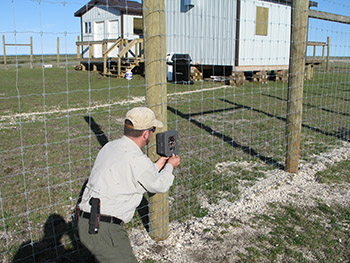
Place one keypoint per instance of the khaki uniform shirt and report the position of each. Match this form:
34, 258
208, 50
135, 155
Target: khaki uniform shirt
121, 175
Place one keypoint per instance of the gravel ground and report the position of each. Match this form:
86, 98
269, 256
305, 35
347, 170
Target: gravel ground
196, 239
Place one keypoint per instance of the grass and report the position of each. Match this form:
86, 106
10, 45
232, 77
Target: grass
301, 235
22, 61
338, 173
48, 148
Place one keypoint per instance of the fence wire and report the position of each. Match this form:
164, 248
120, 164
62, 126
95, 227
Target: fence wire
228, 101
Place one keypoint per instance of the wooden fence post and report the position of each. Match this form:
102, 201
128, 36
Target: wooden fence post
78, 48
4, 44
296, 83
58, 52
31, 52
155, 67
328, 50
91, 50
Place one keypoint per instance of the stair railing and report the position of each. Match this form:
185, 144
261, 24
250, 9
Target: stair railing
106, 52
127, 48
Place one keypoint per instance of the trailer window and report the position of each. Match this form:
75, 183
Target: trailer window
138, 26
88, 27
262, 20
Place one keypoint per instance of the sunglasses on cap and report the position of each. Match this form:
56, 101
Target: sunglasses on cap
153, 129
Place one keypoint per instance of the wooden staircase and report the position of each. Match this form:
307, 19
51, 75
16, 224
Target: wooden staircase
130, 56
123, 62
119, 70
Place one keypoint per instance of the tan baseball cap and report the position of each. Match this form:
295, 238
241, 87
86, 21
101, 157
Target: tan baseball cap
143, 118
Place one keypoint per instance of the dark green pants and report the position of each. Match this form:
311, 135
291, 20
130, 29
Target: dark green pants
110, 244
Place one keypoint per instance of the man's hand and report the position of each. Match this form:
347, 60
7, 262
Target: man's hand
161, 162
174, 160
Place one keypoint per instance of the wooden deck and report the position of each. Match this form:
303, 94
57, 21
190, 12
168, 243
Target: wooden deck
130, 56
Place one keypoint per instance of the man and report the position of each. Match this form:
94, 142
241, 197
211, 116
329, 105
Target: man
122, 173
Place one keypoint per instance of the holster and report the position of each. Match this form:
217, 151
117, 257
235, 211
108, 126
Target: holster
76, 213
94, 221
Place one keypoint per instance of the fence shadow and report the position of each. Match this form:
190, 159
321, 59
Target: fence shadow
320, 94
310, 105
100, 135
225, 138
339, 135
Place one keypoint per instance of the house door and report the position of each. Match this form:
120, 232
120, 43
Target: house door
113, 29
113, 33
99, 34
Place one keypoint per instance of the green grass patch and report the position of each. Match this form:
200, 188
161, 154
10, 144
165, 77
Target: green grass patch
302, 235
338, 173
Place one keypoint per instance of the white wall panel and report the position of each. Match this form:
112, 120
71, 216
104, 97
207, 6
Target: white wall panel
272, 49
206, 31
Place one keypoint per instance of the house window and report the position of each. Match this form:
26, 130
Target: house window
138, 26
262, 20
88, 27
187, 5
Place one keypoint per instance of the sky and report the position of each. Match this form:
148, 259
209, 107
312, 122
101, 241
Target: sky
45, 20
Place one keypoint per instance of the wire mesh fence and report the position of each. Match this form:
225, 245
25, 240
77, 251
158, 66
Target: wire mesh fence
227, 98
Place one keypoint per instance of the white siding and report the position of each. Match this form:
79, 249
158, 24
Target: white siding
113, 32
206, 31
99, 15
99, 34
129, 26
273, 49
110, 19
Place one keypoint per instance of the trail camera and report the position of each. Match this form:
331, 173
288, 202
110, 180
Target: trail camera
167, 143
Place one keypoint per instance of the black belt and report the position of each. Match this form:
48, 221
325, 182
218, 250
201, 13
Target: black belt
103, 218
